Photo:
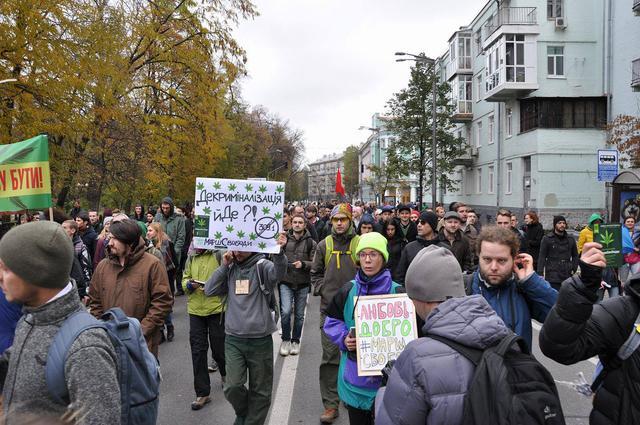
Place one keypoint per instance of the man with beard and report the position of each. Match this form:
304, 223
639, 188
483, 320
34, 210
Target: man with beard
86, 232
94, 218
427, 236
314, 221
558, 258
451, 237
509, 283
174, 226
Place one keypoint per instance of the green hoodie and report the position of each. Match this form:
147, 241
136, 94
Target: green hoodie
200, 267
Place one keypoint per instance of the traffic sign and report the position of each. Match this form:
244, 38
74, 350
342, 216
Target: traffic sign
607, 165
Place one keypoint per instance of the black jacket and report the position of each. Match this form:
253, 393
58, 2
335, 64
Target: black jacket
558, 258
408, 254
577, 328
461, 248
412, 232
534, 234
394, 246
319, 229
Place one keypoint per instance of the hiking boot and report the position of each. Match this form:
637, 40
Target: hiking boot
329, 416
170, 333
200, 402
285, 348
213, 366
295, 348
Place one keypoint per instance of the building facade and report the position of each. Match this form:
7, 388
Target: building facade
322, 177
529, 88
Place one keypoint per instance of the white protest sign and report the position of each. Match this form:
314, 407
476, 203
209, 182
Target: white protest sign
385, 324
240, 215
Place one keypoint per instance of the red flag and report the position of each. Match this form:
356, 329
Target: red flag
339, 187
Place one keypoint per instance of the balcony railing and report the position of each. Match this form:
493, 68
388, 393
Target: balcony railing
636, 5
511, 16
635, 72
461, 64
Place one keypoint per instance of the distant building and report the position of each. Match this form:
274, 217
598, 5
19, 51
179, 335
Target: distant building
322, 177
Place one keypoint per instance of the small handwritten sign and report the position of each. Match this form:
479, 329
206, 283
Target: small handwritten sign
385, 324
240, 215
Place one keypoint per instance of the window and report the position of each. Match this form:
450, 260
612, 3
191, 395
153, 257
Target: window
508, 122
509, 177
514, 59
555, 61
477, 39
579, 112
479, 181
478, 134
479, 88
490, 129
464, 89
554, 9
491, 174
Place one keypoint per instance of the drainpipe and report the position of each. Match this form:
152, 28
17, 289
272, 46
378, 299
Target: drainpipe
607, 83
499, 155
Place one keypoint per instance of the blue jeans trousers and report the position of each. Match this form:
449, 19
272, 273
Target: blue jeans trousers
296, 300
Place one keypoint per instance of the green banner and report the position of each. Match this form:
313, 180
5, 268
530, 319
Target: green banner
610, 237
25, 179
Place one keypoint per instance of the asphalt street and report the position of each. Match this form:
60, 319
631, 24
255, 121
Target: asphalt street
296, 394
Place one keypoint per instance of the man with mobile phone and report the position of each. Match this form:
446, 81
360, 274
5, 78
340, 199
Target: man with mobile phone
509, 283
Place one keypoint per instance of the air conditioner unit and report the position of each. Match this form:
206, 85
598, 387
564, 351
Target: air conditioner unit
561, 23
474, 151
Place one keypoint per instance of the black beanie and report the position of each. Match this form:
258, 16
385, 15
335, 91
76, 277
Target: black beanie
557, 219
430, 218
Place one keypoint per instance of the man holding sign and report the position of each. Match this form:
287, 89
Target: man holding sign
358, 392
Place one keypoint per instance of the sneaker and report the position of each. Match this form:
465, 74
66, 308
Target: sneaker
329, 416
200, 402
213, 366
285, 348
295, 348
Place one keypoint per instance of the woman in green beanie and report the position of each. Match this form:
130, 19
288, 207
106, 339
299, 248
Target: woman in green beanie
373, 278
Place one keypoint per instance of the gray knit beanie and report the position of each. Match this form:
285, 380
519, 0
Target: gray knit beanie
434, 276
40, 252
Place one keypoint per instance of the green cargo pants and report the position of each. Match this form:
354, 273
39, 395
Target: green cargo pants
329, 370
254, 355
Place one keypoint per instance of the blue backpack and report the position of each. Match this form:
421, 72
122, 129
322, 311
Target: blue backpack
138, 369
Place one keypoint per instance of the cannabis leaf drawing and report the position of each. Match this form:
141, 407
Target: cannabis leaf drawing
218, 235
606, 238
217, 185
265, 210
201, 222
262, 245
277, 216
207, 211
229, 228
252, 236
232, 187
262, 188
279, 189
248, 187
200, 186
240, 234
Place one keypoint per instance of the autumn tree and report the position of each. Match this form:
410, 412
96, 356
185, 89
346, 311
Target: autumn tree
351, 171
624, 133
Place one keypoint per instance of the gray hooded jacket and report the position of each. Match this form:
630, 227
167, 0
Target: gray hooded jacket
429, 380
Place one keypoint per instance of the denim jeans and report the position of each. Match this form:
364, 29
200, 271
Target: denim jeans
288, 299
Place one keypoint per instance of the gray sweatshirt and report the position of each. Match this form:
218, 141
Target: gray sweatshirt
90, 368
248, 315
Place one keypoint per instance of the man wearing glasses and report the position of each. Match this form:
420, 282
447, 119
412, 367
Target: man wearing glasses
427, 235
334, 264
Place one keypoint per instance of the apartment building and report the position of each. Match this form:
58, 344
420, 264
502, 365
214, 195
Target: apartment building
322, 177
531, 98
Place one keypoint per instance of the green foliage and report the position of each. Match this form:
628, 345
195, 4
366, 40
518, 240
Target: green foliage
351, 171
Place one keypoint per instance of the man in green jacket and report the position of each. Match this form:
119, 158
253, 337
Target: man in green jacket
174, 226
206, 321
334, 264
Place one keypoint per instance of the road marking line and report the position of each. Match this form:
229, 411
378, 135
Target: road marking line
281, 403
537, 327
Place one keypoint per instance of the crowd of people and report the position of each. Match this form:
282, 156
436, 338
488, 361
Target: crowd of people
471, 285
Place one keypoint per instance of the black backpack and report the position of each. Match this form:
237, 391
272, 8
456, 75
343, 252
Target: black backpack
509, 386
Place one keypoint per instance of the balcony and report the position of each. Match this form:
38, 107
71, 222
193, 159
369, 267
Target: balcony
511, 67
463, 111
517, 20
465, 160
635, 72
636, 7
460, 55
460, 66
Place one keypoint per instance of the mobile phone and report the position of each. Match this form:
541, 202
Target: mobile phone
352, 332
199, 282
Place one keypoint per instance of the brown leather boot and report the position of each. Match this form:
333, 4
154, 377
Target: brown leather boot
329, 416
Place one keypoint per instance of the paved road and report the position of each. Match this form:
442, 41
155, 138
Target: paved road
296, 392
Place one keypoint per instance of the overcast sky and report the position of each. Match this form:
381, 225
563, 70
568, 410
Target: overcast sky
328, 65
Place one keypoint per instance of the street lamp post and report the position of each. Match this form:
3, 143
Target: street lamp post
434, 89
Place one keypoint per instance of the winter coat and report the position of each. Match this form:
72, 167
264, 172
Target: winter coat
558, 258
89, 238
429, 380
174, 227
79, 278
83, 256
10, 313
303, 250
356, 391
248, 315
326, 281
140, 288
411, 231
200, 267
394, 247
460, 247
409, 253
522, 237
534, 234
586, 236
578, 328
90, 368
321, 229
518, 301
